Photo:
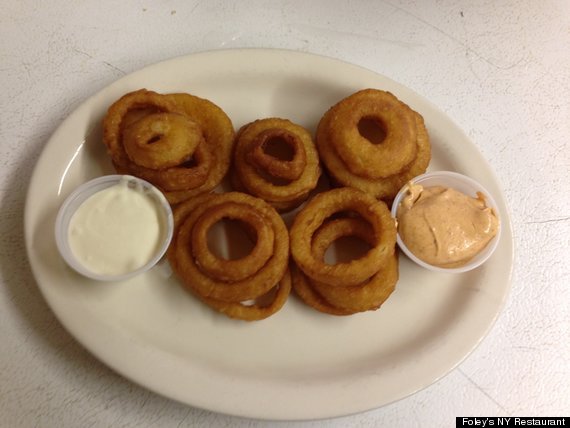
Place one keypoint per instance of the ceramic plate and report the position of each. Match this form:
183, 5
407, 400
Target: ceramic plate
298, 364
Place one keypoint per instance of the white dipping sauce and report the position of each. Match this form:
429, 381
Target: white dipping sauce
116, 231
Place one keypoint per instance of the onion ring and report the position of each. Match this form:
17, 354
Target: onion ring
384, 188
184, 264
161, 140
324, 205
113, 122
363, 297
285, 169
218, 134
361, 156
192, 157
178, 178
280, 206
248, 161
232, 270
255, 311
304, 289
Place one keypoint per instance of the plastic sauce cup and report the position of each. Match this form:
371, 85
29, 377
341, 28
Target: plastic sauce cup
86, 190
462, 184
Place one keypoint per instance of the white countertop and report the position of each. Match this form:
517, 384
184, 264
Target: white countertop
500, 71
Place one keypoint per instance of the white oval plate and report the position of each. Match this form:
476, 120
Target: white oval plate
298, 364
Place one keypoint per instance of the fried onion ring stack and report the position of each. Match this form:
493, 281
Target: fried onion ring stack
227, 286
344, 288
178, 142
283, 183
353, 160
184, 145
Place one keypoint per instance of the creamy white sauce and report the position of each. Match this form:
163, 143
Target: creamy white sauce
116, 231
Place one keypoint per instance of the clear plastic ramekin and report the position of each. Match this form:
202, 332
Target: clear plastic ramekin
81, 194
462, 184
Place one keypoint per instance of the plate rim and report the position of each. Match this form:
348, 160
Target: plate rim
506, 222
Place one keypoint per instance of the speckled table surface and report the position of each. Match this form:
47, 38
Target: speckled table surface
501, 71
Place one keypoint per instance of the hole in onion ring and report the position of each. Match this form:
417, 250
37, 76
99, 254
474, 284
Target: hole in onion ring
154, 139
373, 129
230, 239
345, 214
279, 148
190, 163
267, 298
345, 249
263, 300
